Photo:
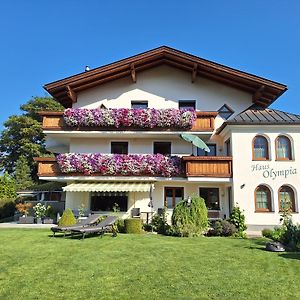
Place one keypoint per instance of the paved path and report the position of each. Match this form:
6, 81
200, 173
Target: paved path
16, 225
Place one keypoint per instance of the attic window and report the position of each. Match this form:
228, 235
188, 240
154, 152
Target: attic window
139, 104
225, 112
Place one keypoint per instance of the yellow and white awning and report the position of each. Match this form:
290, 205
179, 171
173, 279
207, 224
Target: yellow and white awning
109, 187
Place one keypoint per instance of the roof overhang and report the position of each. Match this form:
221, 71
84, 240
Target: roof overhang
263, 91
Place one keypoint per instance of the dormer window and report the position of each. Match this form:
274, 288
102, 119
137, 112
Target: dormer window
139, 104
225, 112
187, 104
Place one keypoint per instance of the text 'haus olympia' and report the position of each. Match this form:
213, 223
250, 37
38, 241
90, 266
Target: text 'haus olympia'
119, 141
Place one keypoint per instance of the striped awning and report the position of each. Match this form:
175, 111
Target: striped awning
109, 187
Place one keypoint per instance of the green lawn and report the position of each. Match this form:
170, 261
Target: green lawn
35, 266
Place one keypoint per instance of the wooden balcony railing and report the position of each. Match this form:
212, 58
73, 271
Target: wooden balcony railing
208, 166
205, 122
201, 166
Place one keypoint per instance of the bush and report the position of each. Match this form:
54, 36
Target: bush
159, 223
190, 219
133, 226
67, 218
223, 228
7, 208
291, 237
268, 233
120, 226
237, 218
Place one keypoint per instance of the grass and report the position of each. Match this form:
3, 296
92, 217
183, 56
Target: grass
35, 266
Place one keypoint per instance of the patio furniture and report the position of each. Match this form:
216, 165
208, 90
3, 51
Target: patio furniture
136, 212
89, 221
102, 227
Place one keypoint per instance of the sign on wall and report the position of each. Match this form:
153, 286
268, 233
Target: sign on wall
267, 172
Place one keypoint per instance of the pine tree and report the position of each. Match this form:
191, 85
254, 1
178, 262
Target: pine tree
22, 174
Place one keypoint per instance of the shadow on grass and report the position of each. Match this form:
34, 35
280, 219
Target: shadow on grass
291, 255
70, 236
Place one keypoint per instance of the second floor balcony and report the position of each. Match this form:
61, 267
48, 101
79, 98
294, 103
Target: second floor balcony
134, 165
129, 119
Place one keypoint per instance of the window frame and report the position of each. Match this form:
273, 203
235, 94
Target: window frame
133, 102
230, 110
161, 142
289, 158
293, 202
267, 158
119, 142
173, 188
185, 102
269, 198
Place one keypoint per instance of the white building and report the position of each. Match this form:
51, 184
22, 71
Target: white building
254, 150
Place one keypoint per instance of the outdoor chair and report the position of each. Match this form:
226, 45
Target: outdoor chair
104, 226
89, 221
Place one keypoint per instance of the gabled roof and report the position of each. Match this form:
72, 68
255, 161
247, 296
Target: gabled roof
262, 116
264, 91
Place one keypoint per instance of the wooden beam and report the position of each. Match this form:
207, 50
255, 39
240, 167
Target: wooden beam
258, 93
71, 94
194, 72
133, 74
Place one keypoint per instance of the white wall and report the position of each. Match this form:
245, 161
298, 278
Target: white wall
243, 175
163, 86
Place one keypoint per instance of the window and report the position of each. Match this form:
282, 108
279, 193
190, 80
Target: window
139, 104
260, 148
262, 199
211, 198
107, 201
228, 147
162, 148
119, 147
187, 104
286, 198
173, 195
225, 112
212, 148
283, 148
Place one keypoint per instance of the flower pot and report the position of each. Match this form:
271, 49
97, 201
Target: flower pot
48, 221
26, 220
39, 221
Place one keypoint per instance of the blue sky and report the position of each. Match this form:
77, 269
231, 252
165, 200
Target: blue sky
42, 41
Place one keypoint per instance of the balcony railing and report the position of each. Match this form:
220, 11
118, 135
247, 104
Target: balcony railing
208, 166
205, 122
195, 166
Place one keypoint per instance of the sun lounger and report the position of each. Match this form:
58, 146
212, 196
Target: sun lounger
101, 227
89, 221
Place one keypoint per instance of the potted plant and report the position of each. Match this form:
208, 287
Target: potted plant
50, 215
40, 212
23, 208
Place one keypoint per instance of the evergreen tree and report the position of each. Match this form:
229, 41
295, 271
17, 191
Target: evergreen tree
7, 187
22, 174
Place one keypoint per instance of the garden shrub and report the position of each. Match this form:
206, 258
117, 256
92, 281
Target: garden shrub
7, 208
67, 218
237, 218
190, 219
268, 233
133, 225
222, 228
120, 226
159, 223
291, 237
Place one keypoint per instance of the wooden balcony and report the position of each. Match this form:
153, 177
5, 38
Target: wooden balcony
208, 166
201, 166
205, 122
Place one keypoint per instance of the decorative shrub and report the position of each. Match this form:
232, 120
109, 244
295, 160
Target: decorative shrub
268, 233
124, 117
120, 164
67, 218
222, 228
7, 208
120, 226
237, 218
190, 219
133, 225
291, 237
159, 223
40, 210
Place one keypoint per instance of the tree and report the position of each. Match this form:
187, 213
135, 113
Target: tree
22, 174
23, 135
7, 187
